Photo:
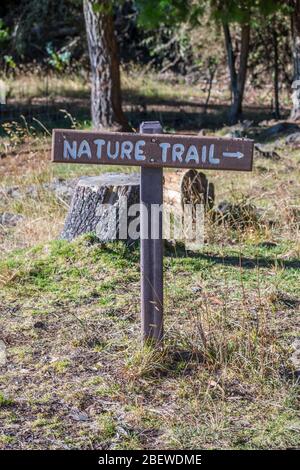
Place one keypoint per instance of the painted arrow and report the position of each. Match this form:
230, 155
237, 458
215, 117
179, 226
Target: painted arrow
233, 154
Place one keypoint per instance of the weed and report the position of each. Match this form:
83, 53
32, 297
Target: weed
4, 401
106, 427
145, 361
60, 366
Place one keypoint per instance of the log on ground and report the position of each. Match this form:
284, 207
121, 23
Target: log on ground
187, 187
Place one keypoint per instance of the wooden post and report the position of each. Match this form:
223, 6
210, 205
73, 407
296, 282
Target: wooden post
151, 247
152, 152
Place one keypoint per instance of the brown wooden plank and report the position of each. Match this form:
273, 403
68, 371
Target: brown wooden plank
156, 150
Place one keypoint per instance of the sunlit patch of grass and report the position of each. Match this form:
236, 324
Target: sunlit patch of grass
107, 426
130, 442
60, 366
6, 440
279, 432
109, 390
226, 341
5, 401
145, 361
49, 424
32, 85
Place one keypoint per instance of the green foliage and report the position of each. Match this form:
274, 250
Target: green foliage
4, 34
4, 401
34, 24
9, 62
58, 60
242, 11
103, 7
106, 6
153, 13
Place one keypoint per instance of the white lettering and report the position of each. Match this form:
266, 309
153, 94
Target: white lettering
70, 151
126, 149
164, 154
138, 152
177, 152
211, 158
192, 154
204, 154
111, 154
99, 143
84, 149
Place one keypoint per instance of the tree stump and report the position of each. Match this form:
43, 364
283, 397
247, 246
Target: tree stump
96, 207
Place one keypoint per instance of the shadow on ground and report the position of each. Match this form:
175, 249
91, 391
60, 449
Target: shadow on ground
180, 115
239, 261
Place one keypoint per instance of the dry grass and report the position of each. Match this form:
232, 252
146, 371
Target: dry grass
32, 87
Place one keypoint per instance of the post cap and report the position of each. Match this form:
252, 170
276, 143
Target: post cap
151, 127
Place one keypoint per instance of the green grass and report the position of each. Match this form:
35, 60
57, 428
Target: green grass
217, 383
5, 401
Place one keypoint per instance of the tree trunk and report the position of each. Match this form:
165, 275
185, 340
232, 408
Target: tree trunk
237, 78
106, 100
295, 114
276, 75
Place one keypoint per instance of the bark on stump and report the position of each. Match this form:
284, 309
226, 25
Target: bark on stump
96, 208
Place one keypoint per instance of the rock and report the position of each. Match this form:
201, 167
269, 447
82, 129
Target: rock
238, 215
196, 289
39, 325
10, 220
295, 358
296, 344
293, 139
239, 130
11, 191
3, 357
294, 427
266, 152
282, 128
79, 416
62, 188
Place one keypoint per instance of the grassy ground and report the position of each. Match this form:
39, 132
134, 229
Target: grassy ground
178, 104
76, 375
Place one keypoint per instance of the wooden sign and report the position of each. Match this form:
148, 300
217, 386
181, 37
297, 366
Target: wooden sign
152, 151
155, 150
